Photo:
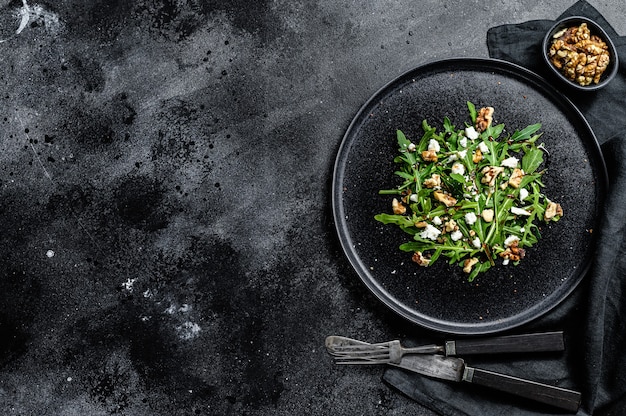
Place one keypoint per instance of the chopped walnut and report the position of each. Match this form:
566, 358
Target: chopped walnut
468, 264
433, 182
580, 56
450, 226
397, 207
478, 156
484, 118
490, 173
513, 252
487, 215
429, 155
553, 210
516, 178
419, 258
447, 200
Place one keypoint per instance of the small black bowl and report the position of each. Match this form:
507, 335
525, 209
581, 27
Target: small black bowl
595, 29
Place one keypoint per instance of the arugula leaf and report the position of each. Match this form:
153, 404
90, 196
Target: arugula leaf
448, 127
532, 159
493, 132
472, 110
525, 133
403, 142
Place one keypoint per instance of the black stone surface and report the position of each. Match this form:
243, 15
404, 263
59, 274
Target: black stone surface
167, 246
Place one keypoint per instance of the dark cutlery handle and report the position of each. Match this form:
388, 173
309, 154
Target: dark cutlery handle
544, 393
544, 341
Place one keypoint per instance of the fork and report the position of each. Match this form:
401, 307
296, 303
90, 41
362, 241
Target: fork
351, 351
359, 352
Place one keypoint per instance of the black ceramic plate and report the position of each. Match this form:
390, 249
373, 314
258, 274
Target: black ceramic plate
439, 297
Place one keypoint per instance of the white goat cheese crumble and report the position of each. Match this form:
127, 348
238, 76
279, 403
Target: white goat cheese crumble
470, 218
510, 240
510, 162
523, 194
471, 133
434, 145
458, 168
456, 235
519, 211
430, 232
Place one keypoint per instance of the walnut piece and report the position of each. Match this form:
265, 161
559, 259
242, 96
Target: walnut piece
468, 264
478, 156
490, 173
513, 252
487, 215
397, 207
433, 182
419, 258
450, 226
484, 118
553, 210
516, 178
444, 198
429, 155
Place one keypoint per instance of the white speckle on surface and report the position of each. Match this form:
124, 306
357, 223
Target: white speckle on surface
50, 253
35, 15
128, 284
188, 330
24, 16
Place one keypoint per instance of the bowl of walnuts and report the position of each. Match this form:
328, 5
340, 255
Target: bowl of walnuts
580, 53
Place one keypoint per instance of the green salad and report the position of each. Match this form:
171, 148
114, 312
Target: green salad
472, 194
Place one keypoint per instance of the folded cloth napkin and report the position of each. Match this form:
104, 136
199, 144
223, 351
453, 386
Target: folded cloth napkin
594, 316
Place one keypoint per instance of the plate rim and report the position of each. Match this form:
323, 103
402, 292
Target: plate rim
411, 315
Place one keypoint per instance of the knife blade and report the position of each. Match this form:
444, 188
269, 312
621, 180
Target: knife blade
455, 369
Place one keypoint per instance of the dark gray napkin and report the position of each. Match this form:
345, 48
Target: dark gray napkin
594, 316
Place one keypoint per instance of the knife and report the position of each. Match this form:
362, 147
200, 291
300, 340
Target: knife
455, 369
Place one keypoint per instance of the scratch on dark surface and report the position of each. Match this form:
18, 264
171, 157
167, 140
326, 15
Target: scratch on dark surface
30, 142
51, 179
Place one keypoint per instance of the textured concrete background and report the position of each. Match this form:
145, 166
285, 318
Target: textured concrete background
166, 245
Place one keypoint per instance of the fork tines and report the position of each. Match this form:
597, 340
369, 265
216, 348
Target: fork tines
361, 354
